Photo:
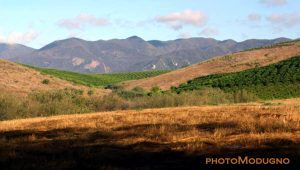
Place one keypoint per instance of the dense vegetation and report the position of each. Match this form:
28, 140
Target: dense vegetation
98, 80
70, 101
280, 80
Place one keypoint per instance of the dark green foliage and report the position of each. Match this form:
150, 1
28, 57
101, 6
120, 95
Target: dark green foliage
155, 91
46, 81
70, 101
129, 94
280, 80
98, 80
56, 102
90, 92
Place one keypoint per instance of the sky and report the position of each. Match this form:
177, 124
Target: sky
36, 23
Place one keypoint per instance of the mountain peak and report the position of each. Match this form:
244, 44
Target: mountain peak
134, 38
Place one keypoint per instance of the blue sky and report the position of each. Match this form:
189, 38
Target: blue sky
38, 22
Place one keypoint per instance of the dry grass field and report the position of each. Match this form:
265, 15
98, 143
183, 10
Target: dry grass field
166, 138
223, 64
21, 80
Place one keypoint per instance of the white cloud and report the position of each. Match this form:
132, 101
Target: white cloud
254, 17
209, 32
82, 20
271, 3
19, 37
178, 19
284, 20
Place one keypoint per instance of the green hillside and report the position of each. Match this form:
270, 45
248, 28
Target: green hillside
97, 80
280, 80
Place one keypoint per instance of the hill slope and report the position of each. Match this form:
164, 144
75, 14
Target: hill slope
98, 80
22, 80
280, 80
225, 64
131, 54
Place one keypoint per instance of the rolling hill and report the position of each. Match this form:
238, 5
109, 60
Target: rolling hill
224, 64
280, 80
128, 55
17, 79
98, 80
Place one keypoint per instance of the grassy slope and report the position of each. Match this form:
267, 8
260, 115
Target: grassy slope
17, 79
280, 80
98, 80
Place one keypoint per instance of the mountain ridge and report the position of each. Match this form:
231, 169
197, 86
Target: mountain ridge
128, 55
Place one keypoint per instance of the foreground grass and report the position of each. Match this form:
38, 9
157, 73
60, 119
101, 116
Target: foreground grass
98, 80
151, 138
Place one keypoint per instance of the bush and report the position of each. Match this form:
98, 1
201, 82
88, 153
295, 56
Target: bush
243, 96
46, 81
90, 92
129, 94
155, 91
108, 103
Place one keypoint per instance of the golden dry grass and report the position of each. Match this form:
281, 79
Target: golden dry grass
224, 64
185, 129
159, 138
22, 80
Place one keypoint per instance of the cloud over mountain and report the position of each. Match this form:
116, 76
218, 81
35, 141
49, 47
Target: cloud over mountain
19, 37
209, 32
177, 20
82, 20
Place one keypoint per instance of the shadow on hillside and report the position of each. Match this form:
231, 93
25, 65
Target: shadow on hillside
86, 149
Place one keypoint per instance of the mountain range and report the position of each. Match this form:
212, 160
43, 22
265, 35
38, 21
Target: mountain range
125, 55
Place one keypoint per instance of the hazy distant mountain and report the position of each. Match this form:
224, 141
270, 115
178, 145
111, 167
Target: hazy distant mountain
8, 51
131, 54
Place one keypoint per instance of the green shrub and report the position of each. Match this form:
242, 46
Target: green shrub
108, 103
90, 92
155, 91
46, 81
243, 96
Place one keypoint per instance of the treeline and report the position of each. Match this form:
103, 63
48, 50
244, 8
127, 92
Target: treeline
280, 80
71, 101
